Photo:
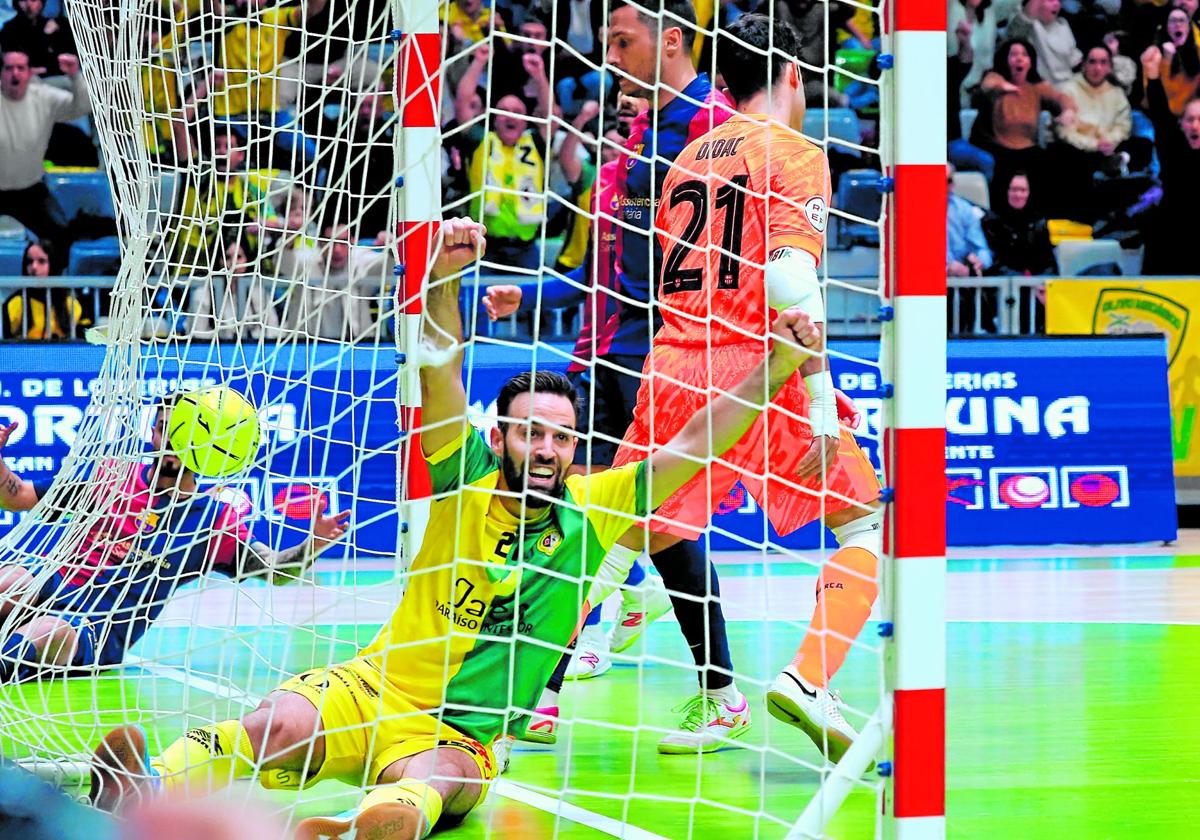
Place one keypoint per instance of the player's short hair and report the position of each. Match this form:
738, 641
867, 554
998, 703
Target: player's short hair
752, 53
539, 382
673, 11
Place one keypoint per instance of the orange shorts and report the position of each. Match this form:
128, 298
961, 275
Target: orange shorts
677, 384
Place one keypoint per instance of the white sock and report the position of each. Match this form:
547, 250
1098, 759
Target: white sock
729, 695
548, 698
612, 573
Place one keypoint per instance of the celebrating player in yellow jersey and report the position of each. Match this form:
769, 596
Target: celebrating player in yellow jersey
493, 597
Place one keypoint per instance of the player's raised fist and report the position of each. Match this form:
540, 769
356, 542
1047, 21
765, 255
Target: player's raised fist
800, 336
463, 240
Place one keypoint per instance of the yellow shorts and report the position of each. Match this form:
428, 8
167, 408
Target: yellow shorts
367, 728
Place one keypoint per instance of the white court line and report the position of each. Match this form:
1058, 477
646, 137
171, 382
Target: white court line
503, 787
606, 825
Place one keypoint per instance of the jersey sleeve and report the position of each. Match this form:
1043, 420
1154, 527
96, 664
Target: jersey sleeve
798, 204
613, 499
465, 459
230, 532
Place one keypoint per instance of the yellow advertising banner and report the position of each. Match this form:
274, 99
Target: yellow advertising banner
1170, 307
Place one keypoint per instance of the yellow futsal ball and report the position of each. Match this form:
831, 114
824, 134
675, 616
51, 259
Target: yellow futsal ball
214, 431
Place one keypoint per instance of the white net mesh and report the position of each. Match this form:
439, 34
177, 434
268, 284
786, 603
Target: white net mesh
251, 153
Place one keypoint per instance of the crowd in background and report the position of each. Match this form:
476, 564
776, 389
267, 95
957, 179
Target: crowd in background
1079, 117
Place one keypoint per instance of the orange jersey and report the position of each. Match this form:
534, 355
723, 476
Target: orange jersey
734, 196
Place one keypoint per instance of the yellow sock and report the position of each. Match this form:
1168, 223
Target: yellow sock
206, 758
417, 794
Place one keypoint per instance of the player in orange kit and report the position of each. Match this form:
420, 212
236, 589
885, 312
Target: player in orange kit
742, 223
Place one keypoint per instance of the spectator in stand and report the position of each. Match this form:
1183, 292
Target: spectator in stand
1020, 243
42, 39
25, 312
519, 66
28, 113
967, 255
1039, 23
337, 289
1180, 77
219, 308
468, 22
975, 22
221, 197
1099, 138
1007, 126
1019, 238
510, 157
368, 153
245, 81
1169, 248
960, 152
578, 49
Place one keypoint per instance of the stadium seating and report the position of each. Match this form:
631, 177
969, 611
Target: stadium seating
95, 257
858, 194
843, 125
11, 251
82, 192
1080, 256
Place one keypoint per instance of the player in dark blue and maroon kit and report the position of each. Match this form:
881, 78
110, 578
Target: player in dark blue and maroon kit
651, 57
146, 532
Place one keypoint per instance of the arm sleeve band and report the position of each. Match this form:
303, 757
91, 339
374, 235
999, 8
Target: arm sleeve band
791, 280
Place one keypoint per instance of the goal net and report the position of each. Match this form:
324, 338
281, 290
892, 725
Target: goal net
278, 171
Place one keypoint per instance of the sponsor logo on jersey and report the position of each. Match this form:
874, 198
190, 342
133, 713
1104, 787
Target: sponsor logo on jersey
817, 212
1137, 311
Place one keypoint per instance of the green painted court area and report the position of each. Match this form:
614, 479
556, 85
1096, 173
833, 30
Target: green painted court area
1080, 729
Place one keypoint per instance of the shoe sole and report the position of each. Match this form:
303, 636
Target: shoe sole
386, 821
531, 737
681, 749
118, 759
589, 675
829, 741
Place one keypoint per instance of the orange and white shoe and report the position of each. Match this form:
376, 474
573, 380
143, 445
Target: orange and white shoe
708, 725
640, 608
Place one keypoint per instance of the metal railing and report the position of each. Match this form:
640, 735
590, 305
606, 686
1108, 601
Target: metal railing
975, 305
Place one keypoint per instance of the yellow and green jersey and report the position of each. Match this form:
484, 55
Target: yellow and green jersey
493, 599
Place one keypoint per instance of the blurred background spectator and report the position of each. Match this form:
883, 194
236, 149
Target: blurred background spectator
1010, 113
967, 254
237, 302
41, 38
1178, 141
336, 287
1040, 24
40, 312
28, 112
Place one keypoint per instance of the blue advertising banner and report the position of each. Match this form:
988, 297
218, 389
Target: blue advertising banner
1048, 440
328, 416
1059, 440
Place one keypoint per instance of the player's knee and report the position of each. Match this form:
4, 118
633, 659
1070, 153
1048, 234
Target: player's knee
858, 528
53, 638
282, 728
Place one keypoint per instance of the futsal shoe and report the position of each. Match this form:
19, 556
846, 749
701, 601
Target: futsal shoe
121, 774
543, 726
591, 657
814, 710
502, 748
708, 725
640, 607
385, 821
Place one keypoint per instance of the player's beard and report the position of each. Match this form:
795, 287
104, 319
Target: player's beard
536, 498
